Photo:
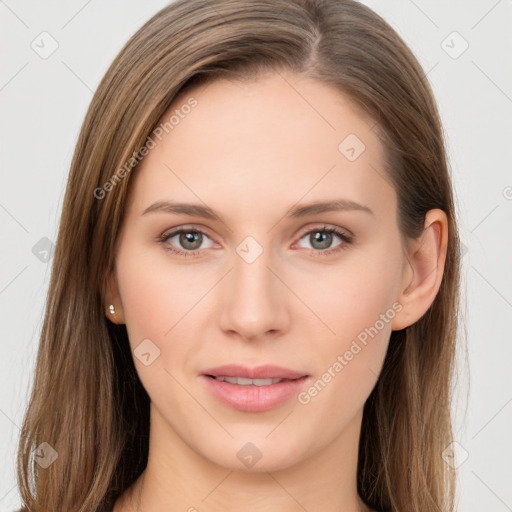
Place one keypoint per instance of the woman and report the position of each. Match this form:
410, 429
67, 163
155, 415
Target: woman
254, 294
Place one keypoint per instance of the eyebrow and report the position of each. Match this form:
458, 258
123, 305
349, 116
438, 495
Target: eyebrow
198, 210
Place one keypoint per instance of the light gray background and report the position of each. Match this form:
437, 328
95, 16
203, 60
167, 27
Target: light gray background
43, 102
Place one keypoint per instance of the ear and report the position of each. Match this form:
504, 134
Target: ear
112, 297
423, 270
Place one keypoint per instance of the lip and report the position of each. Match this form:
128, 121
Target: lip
259, 372
254, 398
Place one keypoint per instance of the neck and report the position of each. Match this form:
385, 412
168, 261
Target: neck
177, 478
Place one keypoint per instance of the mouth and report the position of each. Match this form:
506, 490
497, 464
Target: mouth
254, 389
244, 381
256, 373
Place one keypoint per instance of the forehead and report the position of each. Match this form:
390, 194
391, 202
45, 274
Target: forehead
280, 136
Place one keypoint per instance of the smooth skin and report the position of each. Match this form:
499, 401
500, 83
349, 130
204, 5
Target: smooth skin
251, 151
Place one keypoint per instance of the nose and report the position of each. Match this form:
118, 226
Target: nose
254, 301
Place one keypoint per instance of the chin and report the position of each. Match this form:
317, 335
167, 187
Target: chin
254, 454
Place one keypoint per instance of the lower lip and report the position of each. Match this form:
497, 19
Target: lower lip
254, 398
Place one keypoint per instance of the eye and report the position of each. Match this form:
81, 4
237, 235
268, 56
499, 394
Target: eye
321, 239
189, 241
185, 242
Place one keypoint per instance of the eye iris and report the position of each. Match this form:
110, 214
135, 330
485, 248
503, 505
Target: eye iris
323, 237
192, 237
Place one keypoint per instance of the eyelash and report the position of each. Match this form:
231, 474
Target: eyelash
345, 238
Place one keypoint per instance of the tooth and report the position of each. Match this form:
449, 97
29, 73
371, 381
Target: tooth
263, 382
244, 381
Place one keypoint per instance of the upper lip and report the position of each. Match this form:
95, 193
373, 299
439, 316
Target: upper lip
257, 372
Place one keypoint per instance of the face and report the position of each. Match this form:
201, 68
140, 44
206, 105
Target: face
255, 274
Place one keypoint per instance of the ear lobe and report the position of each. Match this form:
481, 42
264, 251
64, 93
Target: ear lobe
424, 270
112, 298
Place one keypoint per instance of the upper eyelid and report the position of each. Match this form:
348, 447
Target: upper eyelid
325, 226
174, 231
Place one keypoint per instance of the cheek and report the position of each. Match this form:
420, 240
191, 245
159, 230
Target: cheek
166, 303
156, 293
348, 362
351, 296
357, 307
159, 302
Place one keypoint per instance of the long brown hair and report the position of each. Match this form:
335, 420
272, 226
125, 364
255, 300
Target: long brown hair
87, 402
